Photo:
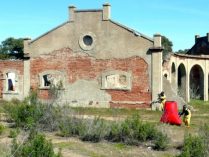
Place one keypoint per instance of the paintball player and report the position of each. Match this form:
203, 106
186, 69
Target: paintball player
187, 115
162, 100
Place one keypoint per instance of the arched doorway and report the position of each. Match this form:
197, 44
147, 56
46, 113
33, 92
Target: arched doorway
182, 81
173, 76
196, 82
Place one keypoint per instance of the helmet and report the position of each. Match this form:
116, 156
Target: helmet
185, 106
162, 93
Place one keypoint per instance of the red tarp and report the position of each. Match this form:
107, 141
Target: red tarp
170, 114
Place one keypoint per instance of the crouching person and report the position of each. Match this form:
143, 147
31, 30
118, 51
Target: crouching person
186, 112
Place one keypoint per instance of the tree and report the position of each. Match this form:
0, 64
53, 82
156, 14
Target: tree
11, 48
182, 51
167, 45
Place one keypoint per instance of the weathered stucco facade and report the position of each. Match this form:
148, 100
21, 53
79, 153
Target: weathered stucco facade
96, 62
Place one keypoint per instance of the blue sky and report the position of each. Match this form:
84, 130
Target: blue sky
179, 20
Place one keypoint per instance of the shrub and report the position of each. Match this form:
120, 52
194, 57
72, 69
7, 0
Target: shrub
93, 130
161, 141
114, 132
14, 133
35, 146
1, 128
71, 126
193, 146
50, 118
24, 114
204, 134
133, 131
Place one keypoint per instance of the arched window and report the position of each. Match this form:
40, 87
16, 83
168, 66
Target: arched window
196, 82
182, 81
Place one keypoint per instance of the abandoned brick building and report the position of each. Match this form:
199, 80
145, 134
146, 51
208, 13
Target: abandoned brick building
94, 60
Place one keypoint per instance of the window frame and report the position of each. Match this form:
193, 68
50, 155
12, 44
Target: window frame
117, 75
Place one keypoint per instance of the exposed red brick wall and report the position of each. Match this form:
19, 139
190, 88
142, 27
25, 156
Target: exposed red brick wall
44, 94
6, 65
81, 66
1, 85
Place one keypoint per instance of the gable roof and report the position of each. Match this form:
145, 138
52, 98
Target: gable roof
136, 33
48, 32
201, 47
131, 30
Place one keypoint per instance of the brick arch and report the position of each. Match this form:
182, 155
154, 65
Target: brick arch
196, 79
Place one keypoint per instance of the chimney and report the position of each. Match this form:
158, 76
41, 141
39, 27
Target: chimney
26, 42
196, 38
208, 37
71, 13
157, 40
106, 11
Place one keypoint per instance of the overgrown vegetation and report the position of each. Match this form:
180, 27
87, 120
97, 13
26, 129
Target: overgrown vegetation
132, 131
2, 128
193, 147
14, 132
196, 145
30, 114
36, 145
23, 114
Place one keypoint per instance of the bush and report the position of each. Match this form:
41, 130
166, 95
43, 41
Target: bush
114, 132
93, 130
161, 141
51, 117
71, 126
1, 128
35, 146
204, 134
133, 131
23, 114
193, 147
14, 133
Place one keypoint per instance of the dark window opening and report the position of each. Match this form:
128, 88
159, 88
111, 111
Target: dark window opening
11, 81
10, 85
47, 80
88, 40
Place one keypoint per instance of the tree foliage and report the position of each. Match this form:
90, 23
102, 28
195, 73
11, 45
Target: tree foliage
182, 51
11, 48
167, 45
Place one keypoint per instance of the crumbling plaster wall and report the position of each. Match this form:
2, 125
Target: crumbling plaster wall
83, 84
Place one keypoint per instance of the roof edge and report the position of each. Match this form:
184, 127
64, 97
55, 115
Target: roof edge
89, 10
48, 32
191, 56
132, 30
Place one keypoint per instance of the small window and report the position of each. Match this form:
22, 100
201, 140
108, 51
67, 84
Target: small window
51, 79
10, 81
88, 40
47, 80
